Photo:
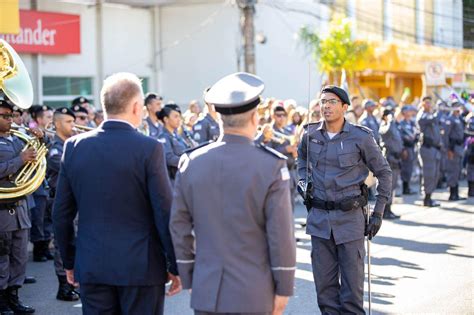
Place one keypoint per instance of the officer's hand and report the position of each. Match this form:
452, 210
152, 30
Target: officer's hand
267, 133
279, 304
70, 278
28, 155
175, 287
374, 225
37, 132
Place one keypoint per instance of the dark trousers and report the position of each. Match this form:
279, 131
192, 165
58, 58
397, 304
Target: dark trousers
210, 313
13, 265
41, 222
100, 299
338, 272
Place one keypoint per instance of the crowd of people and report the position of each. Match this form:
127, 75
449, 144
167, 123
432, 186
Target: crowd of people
437, 139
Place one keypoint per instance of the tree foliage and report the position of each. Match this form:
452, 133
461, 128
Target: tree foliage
336, 51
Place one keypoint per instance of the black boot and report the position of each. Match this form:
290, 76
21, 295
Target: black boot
388, 214
15, 304
452, 194
46, 251
406, 189
29, 280
471, 189
4, 307
38, 252
428, 202
456, 191
66, 291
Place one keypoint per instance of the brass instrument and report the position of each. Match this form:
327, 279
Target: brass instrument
16, 85
81, 129
278, 136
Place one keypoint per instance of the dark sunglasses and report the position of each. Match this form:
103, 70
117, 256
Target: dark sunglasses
6, 116
81, 117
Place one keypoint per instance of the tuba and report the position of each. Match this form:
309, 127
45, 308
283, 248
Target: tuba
15, 83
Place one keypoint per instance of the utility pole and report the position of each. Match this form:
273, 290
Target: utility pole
247, 11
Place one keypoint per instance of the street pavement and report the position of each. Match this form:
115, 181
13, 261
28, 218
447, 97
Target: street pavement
421, 264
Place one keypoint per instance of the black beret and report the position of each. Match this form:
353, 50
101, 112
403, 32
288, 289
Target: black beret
6, 104
166, 110
79, 100
18, 109
36, 109
65, 111
338, 91
79, 109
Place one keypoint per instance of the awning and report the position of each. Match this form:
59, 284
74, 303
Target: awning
412, 58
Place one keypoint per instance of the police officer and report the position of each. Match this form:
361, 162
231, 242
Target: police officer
430, 150
392, 144
83, 102
153, 104
64, 126
455, 133
207, 128
285, 145
340, 157
173, 143
410, 137
239, 215
470, 153
14, 219
41, 232
369, 120
445, 123
82, 115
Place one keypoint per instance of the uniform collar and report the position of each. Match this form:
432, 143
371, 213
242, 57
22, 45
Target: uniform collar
346, 127
117, 124
57, 139
231, 138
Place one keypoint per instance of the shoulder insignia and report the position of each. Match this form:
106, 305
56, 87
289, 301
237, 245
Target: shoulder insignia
285, 173
271, 151
364, 128
187, 151
53, 152
312, 123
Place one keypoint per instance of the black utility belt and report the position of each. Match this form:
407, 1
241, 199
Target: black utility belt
426, 145
344, 205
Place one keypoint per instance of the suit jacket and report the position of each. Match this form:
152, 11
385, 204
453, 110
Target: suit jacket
116, 180
232, 227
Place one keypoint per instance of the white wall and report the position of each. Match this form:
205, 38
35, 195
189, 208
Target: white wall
448, 23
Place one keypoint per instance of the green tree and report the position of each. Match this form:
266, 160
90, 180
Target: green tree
336, 51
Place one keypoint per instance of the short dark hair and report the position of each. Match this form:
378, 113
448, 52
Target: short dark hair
279, 109
426, 97
149, 97
166, 111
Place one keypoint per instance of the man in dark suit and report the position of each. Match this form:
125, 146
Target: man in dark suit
115, 179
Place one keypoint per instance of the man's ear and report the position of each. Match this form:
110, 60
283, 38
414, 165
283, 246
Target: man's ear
345, 107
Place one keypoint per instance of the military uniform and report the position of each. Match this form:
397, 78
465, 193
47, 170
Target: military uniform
409, 134
430, 153
337, 168
206, 129
154, 130
370, 121
14, 225
393, 147
233, 233
445, 125
470, 155
455, 134
174, 146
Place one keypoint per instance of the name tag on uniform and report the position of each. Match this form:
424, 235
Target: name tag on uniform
317, 141
213, 127
1, 142
197, 127
285, 174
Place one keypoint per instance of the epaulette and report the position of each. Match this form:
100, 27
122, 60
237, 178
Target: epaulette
271, 151
364, 128
312, 123
187, 151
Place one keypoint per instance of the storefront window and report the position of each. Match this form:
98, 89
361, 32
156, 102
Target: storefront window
60, 91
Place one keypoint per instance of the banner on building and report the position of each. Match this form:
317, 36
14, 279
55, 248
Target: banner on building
46, 33
434, 74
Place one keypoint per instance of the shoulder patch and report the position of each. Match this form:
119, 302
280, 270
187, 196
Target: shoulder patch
53, 152
162, 140
198, 127
271, 151
364, 128
285, 174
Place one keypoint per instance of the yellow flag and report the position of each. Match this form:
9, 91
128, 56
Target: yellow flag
9, 17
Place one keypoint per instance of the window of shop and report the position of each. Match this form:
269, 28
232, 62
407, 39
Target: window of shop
60, 91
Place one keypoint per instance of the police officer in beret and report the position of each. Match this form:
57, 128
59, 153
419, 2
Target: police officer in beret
455, 134
410, 137
369, 120
41, 232
82, 115
332, 185
470, 153
63, 121
153, 104
392, 144
233, 232
207, 128
14, 220
173, 143
430, 150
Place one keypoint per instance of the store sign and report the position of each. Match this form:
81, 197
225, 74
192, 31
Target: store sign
46, 33
434, 73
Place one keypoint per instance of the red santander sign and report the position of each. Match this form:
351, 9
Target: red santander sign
46, 33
